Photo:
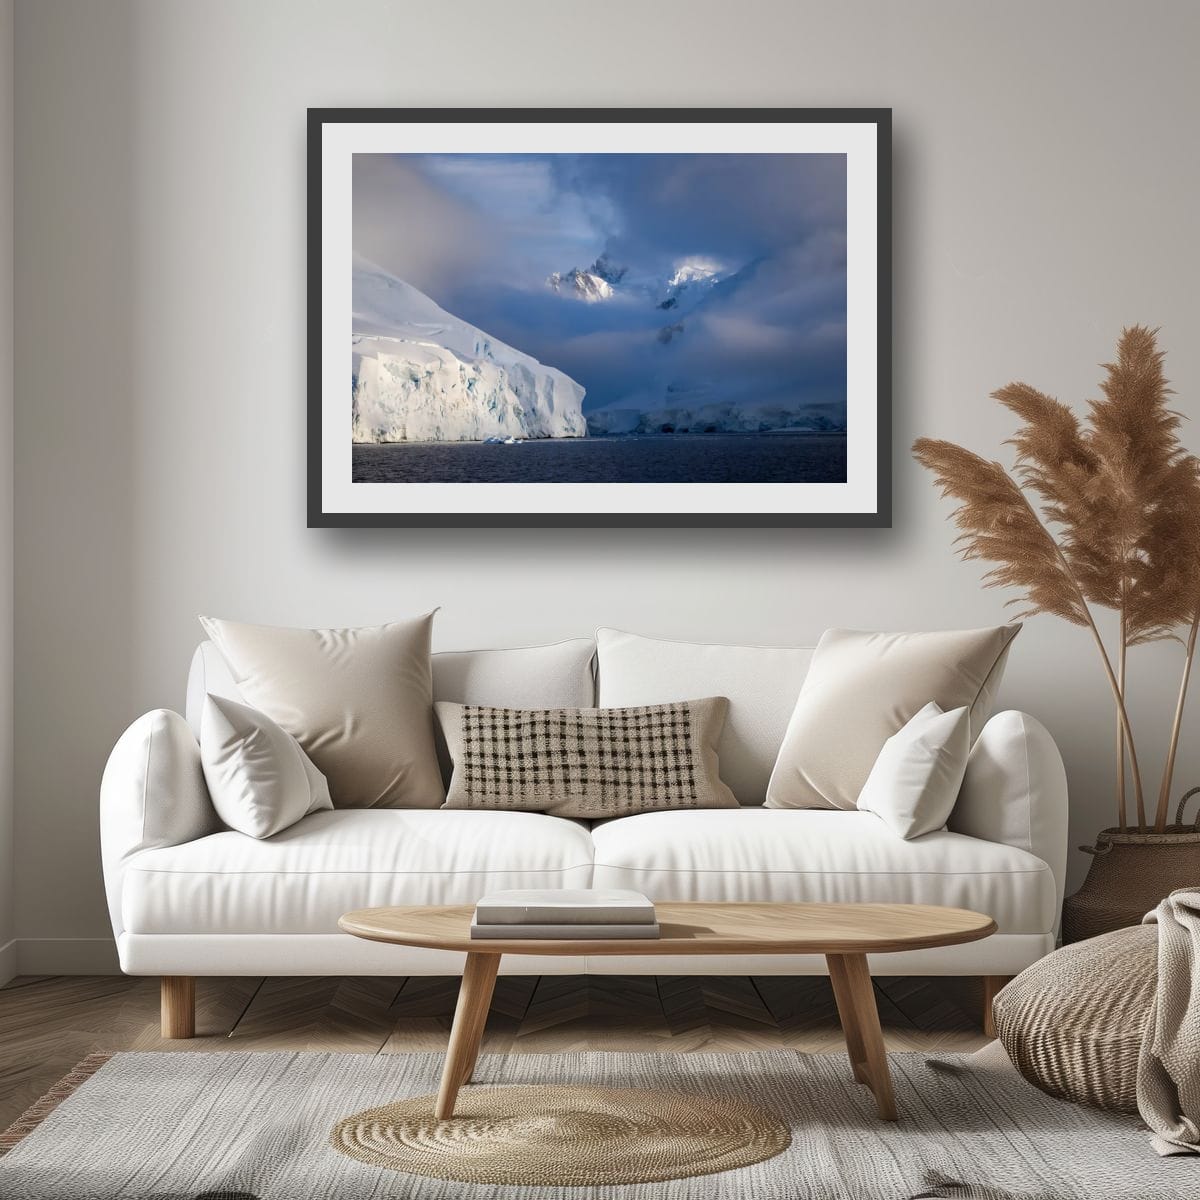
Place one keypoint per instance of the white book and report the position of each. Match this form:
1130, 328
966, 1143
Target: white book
565, 933
565, 906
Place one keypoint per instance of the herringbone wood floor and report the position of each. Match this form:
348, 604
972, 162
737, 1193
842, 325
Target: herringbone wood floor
49, 1024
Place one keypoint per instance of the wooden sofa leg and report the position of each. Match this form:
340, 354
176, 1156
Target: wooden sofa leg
178, 1006
991, 985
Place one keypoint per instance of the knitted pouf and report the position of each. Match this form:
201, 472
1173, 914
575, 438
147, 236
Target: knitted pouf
1072, 1023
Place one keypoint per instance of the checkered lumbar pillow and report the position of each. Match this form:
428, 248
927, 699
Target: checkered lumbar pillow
586, 762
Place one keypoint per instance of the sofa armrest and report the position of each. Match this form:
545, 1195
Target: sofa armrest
152, 794
1015, 792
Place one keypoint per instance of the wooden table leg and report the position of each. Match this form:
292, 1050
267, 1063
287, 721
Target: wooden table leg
470, 1050
847, 1016
857, 980
470, 1016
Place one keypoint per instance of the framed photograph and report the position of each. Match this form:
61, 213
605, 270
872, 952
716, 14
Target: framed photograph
570, 317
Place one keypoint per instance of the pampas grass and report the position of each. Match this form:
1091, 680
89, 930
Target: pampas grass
1103, 512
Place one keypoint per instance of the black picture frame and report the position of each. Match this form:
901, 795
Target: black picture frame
881, 517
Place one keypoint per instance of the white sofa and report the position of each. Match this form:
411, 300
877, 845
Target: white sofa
188, 897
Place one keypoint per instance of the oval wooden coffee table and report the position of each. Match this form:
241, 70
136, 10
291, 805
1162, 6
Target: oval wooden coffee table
844, 933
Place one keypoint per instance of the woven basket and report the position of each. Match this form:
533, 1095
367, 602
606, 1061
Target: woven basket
1072, 1038
1130, 874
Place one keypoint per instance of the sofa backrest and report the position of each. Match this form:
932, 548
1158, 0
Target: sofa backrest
760, 682
555, 676
208, 675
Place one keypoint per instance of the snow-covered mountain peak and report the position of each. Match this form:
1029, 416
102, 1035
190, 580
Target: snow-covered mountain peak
605, 279
693, 270
581, 285
692, 278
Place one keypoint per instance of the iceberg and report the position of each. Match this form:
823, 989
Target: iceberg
422, 374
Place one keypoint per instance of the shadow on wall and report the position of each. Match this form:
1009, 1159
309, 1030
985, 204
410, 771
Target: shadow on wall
76, 422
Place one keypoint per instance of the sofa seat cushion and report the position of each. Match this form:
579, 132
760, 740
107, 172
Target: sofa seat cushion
759, 854
303, 879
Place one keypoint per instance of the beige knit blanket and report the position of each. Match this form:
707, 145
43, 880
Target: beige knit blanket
1168, 1078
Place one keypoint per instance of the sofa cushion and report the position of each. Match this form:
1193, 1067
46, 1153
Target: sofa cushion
802, 855
258, 775
915, 780
560, 675
359, 701
760, 682
303, 879
556, 676
590, 763
862, 688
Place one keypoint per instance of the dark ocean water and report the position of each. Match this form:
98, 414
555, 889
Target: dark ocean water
670, 458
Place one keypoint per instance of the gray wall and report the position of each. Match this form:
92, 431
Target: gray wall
8, 954
1045, 186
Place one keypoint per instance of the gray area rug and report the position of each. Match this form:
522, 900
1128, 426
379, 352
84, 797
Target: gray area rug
237, 1126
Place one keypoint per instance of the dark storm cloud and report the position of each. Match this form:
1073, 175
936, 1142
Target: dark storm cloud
480, 234
732, 206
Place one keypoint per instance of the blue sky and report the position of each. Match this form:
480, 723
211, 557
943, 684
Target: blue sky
481, 234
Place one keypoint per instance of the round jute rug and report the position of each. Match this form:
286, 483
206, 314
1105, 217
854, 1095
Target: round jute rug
563, 1136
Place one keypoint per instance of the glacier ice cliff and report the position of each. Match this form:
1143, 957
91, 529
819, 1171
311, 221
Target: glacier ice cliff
421, 374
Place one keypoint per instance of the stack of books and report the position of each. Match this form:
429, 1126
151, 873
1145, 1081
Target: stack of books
565, 914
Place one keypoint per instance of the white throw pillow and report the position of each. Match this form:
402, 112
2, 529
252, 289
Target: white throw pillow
916, 778
258, 776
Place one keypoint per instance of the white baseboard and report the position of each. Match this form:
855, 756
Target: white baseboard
67, 956
8, 961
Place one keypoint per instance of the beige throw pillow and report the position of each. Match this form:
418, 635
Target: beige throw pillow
359, 702
864, 687
588, 763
